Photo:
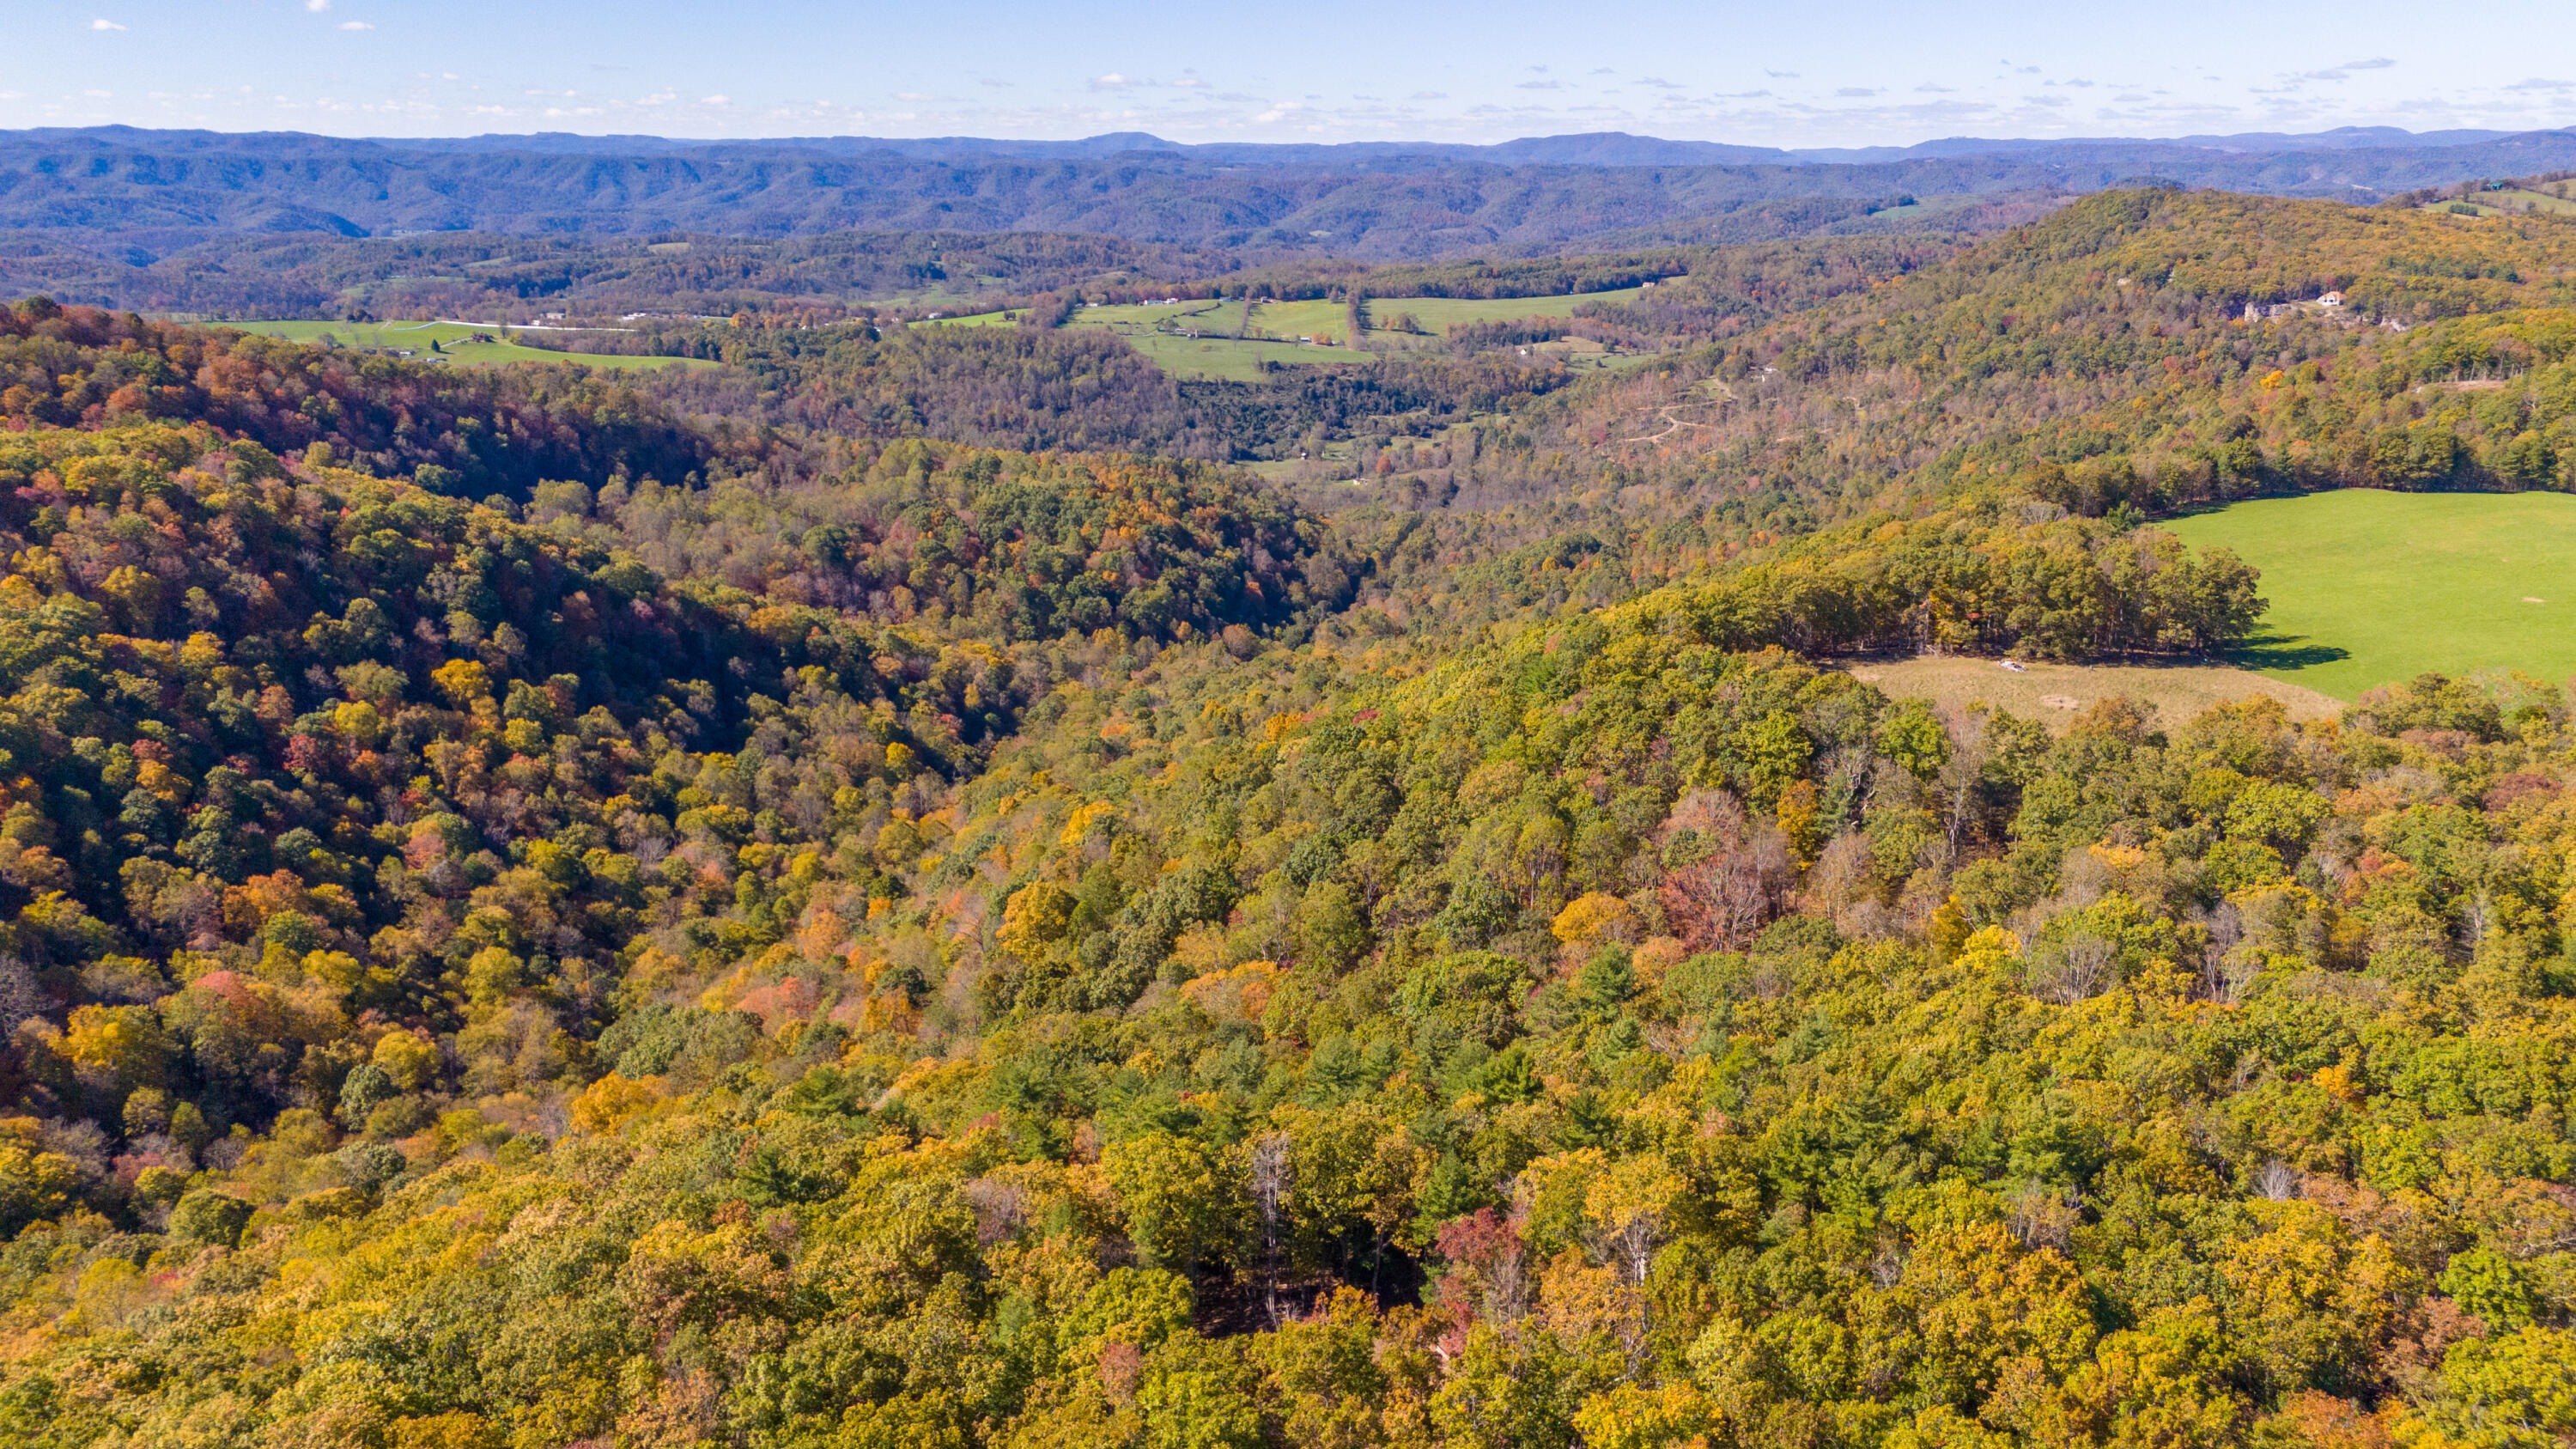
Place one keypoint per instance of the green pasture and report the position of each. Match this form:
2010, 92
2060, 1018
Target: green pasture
1227, 359
1292, 320
1438, 314
1199, 315
2551, 200
2369, 587
454, 339
1161, 330
972, 319
1164, 332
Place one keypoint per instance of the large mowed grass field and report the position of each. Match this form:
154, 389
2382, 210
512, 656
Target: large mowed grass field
1437, 315
1197, 339
2368, 587
455, 339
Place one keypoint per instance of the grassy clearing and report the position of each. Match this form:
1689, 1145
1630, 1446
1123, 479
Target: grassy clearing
1227, 359
2370, 587
1194, 340
1438, 314
2554, 198
1199, 316
1304, 319
2053, 694
455, 343
973, 319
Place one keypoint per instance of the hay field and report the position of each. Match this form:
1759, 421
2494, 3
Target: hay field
454, 339
2369, 587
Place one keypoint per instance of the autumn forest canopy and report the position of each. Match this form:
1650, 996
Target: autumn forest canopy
909, 884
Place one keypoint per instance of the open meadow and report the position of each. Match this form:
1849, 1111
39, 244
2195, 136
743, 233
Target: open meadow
1195, 341
1438, 314
455, 342
2369, 587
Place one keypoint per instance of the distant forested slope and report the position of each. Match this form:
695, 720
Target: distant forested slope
1370, 205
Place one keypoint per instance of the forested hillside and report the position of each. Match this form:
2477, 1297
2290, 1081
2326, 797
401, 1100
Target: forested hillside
2098, 358
882, 894
485, 275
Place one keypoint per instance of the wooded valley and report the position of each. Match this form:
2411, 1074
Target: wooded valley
950, 885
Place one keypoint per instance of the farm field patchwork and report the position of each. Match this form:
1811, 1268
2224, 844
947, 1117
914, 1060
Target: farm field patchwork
2368, 587
1227, 359
455, 341
1195, 340
1200, 314
2548, 199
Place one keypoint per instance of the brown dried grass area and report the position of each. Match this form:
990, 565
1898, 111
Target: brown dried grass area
2054, 694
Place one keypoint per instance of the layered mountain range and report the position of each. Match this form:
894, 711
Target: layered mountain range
1377, 200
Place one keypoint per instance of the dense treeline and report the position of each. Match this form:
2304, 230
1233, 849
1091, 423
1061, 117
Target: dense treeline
518, 279
1730, 288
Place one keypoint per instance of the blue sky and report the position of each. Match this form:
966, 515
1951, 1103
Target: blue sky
1851, 73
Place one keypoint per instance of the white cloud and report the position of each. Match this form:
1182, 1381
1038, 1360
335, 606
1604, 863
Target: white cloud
317, 6
717, 101
1189, 83
1855, 92
1545, 85
1110, 82
1428, 96
105, 25
355, 25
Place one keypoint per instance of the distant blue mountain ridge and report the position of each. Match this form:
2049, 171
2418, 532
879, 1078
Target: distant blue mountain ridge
1378, 199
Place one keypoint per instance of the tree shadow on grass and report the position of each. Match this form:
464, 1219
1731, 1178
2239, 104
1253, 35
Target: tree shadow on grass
2284, 651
